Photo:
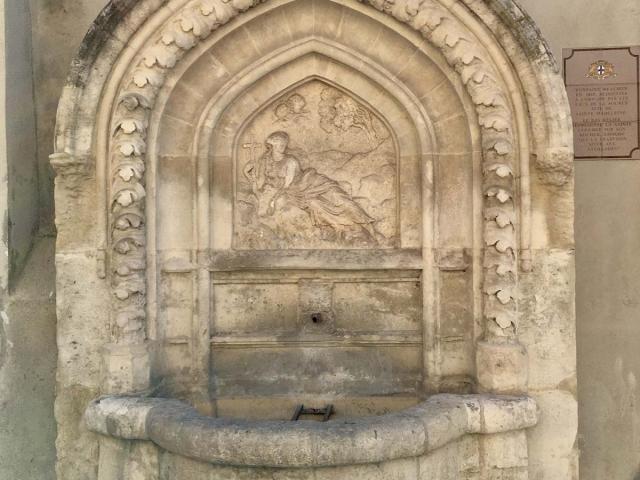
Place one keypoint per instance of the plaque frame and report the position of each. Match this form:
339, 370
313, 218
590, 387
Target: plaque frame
634, 51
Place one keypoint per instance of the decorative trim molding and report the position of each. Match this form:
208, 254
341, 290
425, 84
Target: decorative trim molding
195, 23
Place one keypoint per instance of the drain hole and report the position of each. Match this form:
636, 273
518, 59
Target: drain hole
316, 318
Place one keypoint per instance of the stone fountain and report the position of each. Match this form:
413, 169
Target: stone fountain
265, 205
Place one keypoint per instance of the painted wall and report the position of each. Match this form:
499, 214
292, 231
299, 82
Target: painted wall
607, 232
607, 259
27, 316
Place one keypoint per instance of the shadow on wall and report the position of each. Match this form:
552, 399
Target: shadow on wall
3, 342
28, 359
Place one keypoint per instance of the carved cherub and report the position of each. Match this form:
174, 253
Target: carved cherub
294, 107
338, 112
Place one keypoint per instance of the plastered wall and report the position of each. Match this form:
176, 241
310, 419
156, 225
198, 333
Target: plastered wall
607, 233
607, 260
27, 315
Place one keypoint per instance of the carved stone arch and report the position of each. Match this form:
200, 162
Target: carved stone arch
483, 83
113, 127
417, 119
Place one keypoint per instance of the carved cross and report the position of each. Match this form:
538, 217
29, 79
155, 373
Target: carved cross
252, 146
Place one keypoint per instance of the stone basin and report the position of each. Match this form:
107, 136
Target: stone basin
178, 428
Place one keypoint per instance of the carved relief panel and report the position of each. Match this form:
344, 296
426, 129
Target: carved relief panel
316, 169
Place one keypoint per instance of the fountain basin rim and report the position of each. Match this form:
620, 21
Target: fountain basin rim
178, 428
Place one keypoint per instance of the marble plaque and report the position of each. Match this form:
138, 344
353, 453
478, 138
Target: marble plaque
604, 93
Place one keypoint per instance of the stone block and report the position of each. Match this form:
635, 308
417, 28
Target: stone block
143, 462
175, 467
502, 367
552, 443
395, 470
76, 202
500, 414
444, 423
278, 370
505, 474
126, 368
82, 328
78, 448
505, 450
547, 312
456, 460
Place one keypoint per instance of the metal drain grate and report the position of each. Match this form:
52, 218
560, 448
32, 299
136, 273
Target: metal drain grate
326, 412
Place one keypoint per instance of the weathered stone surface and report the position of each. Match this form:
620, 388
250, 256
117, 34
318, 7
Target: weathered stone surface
502, 367
332, 217
505, 451
178, 428
126, 368
399, 469
548, 320
82, 323
552, 445
77, 447
460, 460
